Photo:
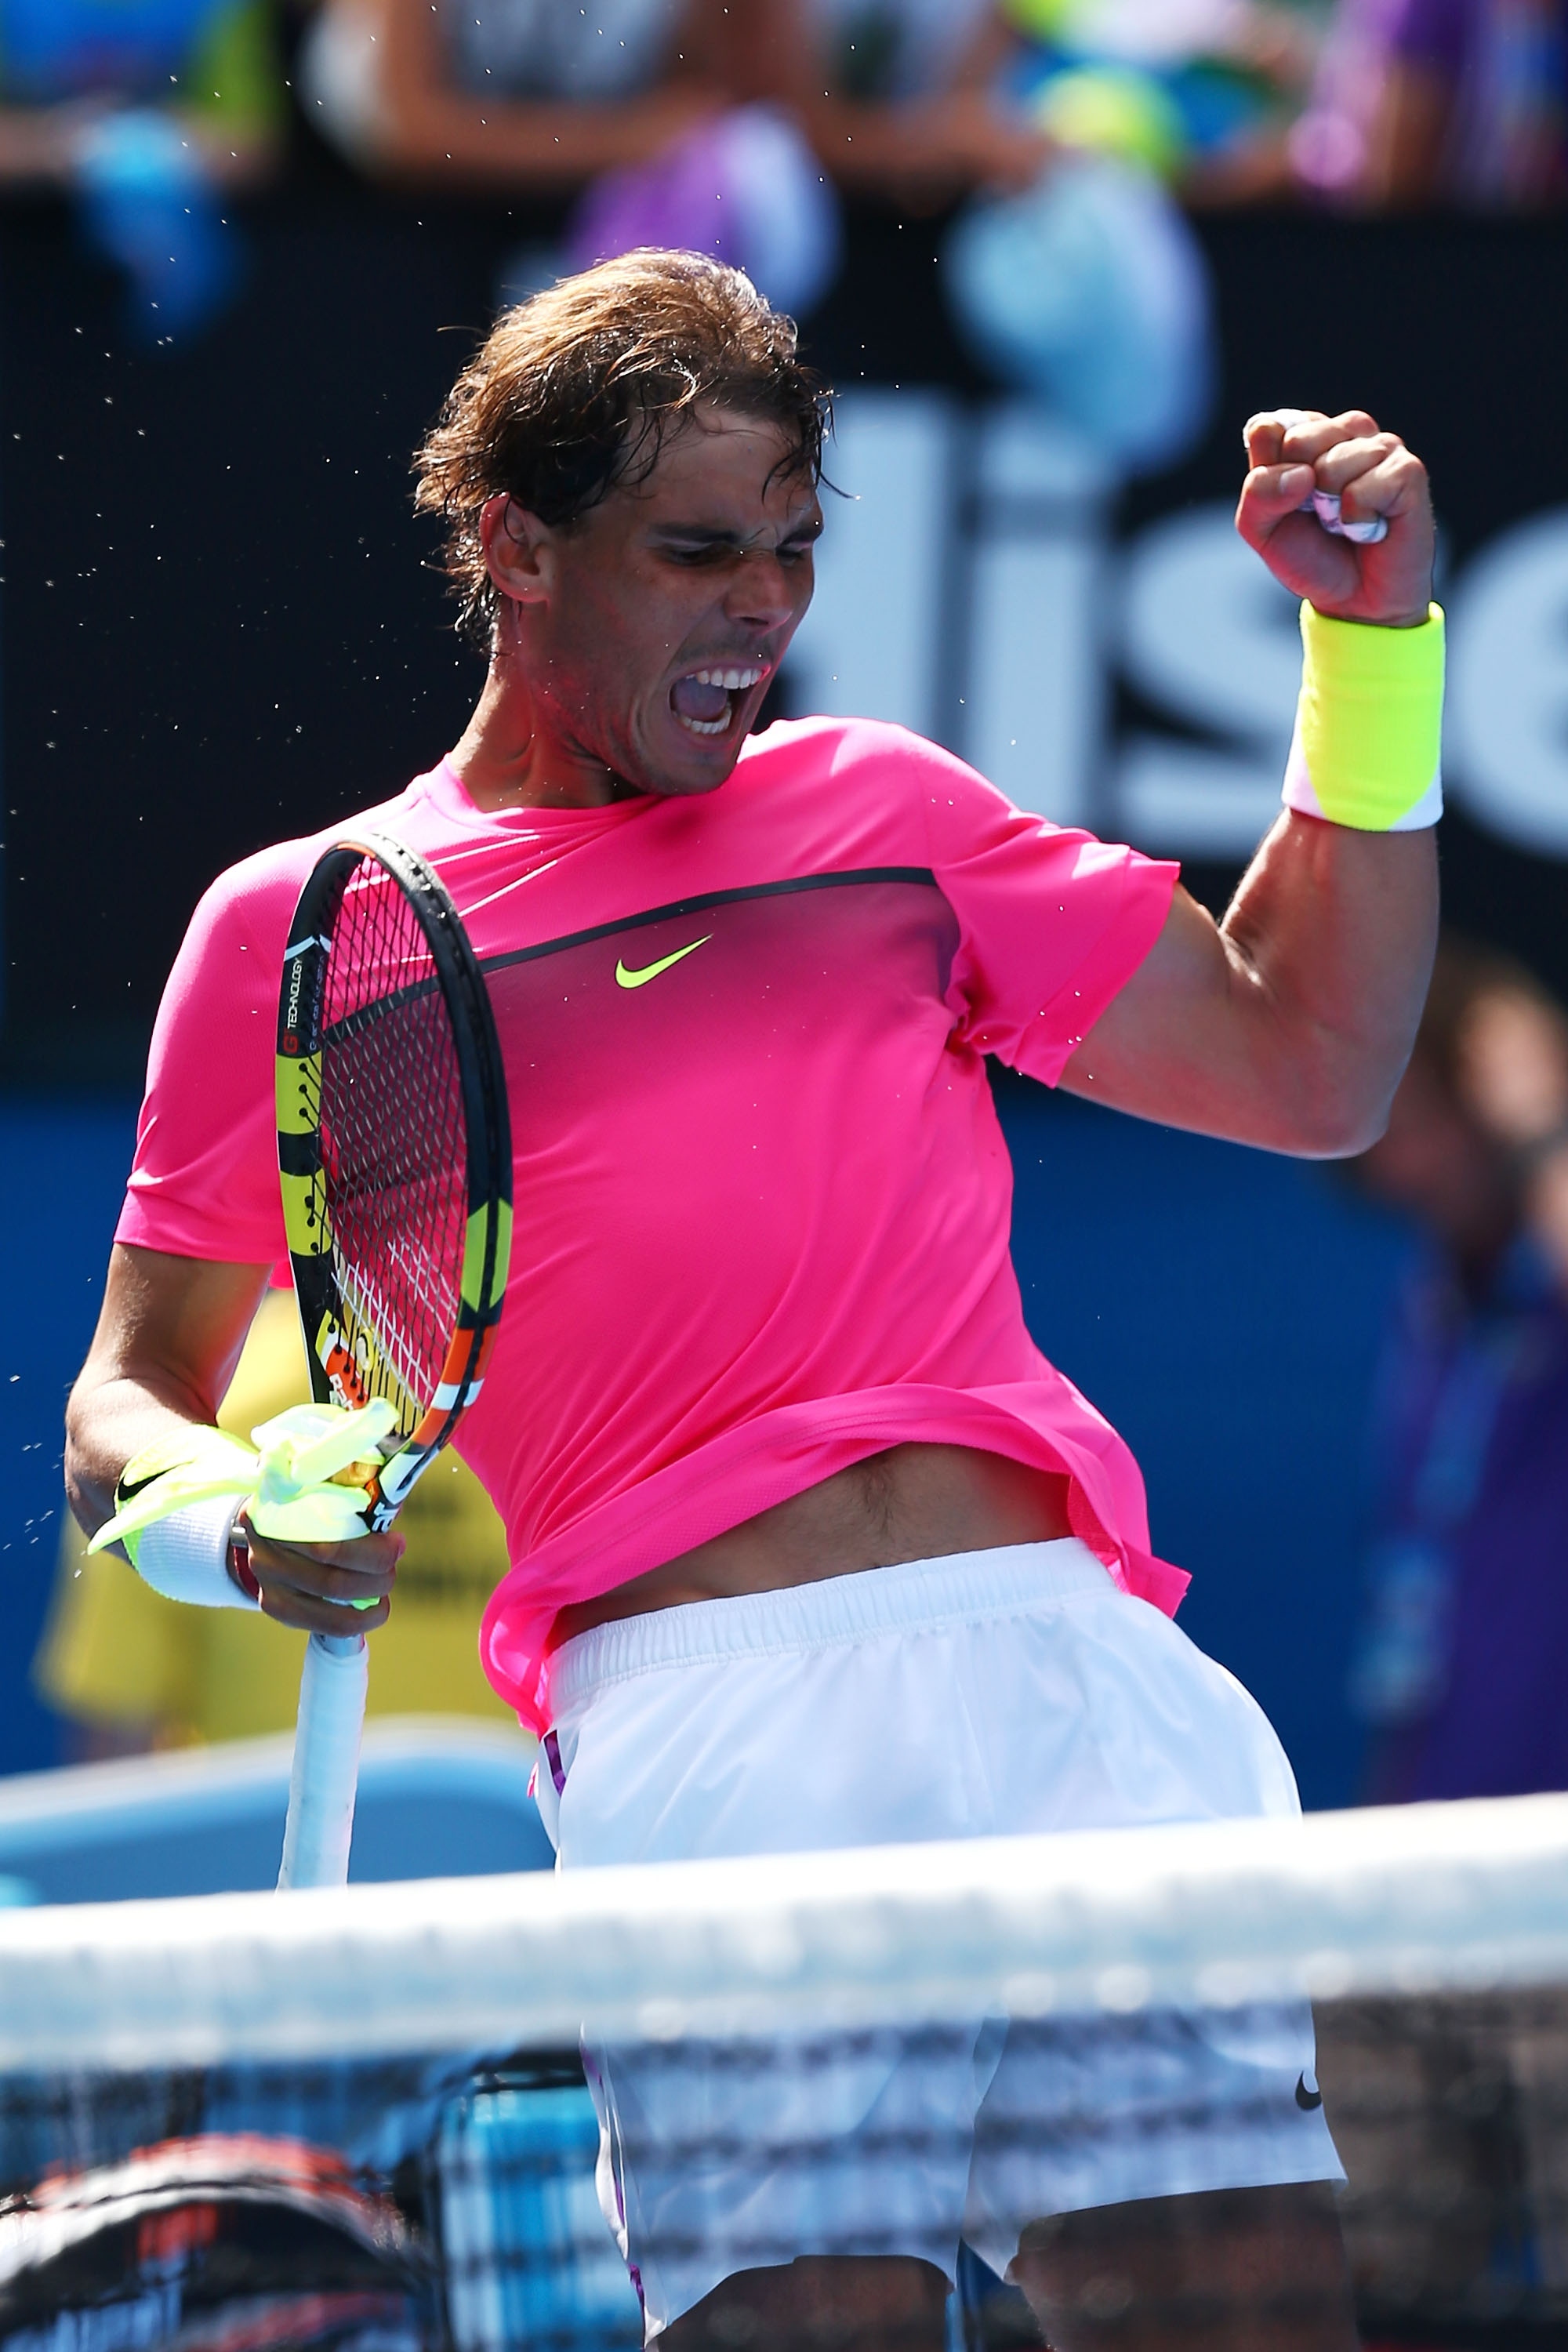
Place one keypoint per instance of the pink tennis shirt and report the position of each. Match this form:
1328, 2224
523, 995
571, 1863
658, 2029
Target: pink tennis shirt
762, 1201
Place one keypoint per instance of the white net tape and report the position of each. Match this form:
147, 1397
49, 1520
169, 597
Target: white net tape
1421, 1899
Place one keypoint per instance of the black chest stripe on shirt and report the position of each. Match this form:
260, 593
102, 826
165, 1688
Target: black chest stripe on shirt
922, 876
363, 1018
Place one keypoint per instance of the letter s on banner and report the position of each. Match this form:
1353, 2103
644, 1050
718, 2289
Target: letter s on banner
1507, 736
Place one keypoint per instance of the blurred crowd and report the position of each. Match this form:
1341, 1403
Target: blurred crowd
1057, 145
1464, 1653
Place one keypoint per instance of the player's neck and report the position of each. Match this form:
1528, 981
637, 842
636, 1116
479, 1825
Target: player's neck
509, 756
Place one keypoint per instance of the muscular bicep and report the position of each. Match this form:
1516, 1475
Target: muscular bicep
1177, 1043
1289, 1026
167, 1341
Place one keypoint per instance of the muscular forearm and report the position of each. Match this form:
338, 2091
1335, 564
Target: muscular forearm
165, 1350
108, 1422
1333, 932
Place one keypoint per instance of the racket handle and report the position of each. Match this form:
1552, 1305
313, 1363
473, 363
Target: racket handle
326, 1761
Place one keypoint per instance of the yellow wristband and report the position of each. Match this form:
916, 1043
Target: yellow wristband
289, 1478
1369, 724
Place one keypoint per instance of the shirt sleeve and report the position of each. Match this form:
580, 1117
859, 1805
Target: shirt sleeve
1052, 923
205, 1179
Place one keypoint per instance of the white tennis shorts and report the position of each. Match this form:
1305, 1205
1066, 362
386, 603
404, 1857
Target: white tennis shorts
990, 1694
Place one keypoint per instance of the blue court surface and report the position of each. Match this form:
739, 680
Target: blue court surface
1222, 1307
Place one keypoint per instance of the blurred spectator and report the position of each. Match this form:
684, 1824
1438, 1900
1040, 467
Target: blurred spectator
650, 105
1463, 1658
902, 97
145, 110
926, 100
1463, 101
130, 1669
522, 94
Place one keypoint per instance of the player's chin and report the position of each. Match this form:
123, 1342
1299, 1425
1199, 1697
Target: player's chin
682, 757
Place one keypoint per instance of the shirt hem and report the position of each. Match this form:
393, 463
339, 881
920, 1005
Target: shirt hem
784, 1453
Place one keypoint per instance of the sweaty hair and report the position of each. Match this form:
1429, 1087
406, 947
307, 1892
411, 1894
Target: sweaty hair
574, 391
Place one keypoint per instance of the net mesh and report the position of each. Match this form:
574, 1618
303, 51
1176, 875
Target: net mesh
394, 1155
452, 2116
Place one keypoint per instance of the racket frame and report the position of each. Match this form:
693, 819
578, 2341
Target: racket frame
335, 1377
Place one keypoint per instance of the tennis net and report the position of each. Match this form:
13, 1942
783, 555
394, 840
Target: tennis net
370, 2117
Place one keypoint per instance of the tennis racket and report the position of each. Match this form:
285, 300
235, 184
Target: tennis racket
395, 1154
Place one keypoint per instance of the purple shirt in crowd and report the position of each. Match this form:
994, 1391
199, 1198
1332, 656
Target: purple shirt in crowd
1501, 65
1497, 67
1463, 1669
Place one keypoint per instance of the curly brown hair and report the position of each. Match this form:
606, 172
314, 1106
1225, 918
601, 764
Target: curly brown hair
574, 391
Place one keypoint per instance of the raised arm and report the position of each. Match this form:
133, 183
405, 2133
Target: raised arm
1288, 1025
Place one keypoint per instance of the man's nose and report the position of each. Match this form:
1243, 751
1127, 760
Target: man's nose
763, 592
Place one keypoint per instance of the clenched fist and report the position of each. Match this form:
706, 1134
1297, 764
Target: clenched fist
1293, 452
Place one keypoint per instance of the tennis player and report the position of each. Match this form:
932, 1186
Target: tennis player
812, 1546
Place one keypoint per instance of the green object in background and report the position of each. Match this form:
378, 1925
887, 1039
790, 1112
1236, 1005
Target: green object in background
1042, 20
234, 78
1113, 111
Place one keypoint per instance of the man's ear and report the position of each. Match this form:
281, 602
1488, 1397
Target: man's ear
519, 549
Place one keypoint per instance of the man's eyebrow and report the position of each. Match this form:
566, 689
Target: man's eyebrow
703, 534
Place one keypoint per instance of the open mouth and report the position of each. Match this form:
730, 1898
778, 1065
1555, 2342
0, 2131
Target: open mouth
705, 699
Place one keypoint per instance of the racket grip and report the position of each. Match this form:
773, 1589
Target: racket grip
326, 1761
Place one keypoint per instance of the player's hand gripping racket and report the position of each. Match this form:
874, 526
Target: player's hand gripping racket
395, 1151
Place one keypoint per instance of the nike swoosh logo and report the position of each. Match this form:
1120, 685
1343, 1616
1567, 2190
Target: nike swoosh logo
651, 971
1307, 2100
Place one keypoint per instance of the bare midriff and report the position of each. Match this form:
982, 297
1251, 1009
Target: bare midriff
915, 1501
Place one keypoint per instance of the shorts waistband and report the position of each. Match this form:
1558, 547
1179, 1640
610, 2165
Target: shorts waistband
917, 1595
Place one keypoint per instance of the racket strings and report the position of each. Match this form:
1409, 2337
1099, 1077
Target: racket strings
394, 1145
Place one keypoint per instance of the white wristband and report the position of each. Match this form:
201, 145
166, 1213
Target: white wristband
185, 1556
